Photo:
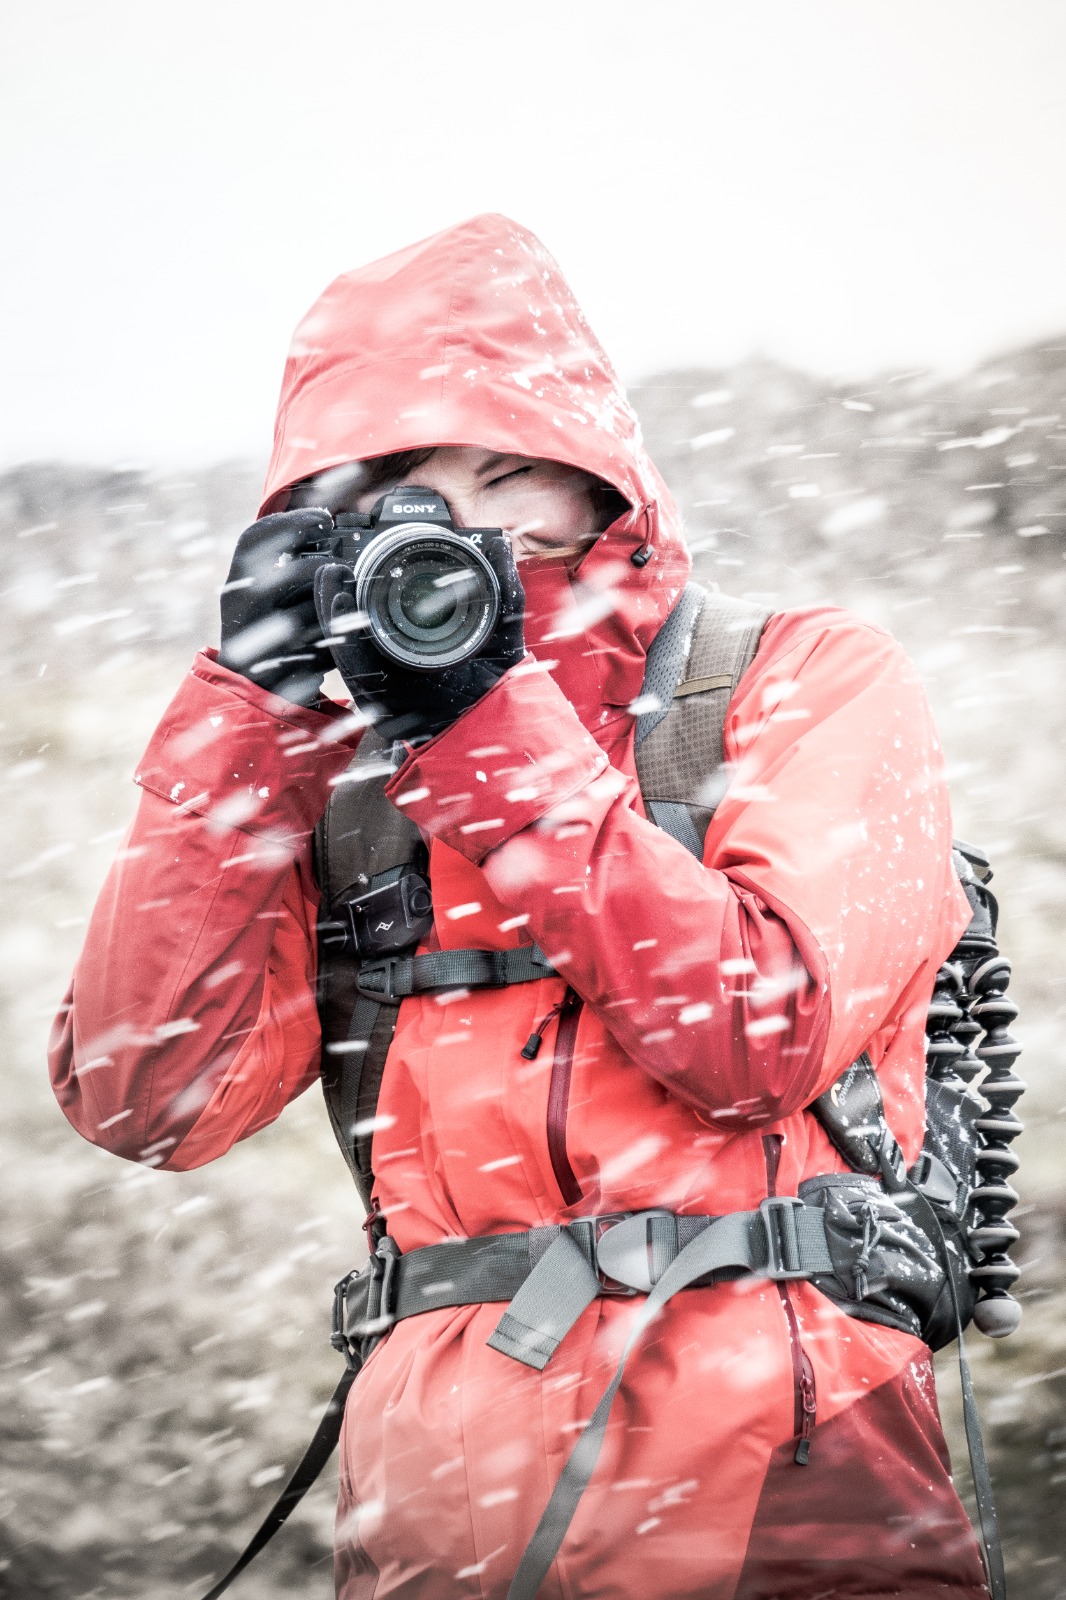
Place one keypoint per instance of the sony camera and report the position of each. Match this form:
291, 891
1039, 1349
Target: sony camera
430, 596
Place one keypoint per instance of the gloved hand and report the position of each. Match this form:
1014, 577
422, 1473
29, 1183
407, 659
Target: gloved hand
269, 625
410, 705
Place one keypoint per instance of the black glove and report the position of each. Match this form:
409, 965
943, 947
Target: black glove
410, 705
269, 625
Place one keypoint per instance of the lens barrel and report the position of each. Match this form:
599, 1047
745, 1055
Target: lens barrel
430, 596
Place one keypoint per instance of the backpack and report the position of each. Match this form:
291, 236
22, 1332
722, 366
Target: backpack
924, 1250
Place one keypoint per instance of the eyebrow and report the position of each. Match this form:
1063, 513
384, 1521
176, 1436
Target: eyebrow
494, 461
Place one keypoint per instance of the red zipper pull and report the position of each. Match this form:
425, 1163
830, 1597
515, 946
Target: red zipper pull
370, 1222
531, 1048
810, 1412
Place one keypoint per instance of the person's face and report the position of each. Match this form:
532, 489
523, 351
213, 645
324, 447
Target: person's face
546, 507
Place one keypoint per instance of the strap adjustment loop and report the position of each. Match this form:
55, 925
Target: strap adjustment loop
629, 1254
892, 1162
338, 1336
784, 1254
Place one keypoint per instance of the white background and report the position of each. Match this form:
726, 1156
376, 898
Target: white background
847, 186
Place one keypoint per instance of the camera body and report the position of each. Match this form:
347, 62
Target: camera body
430, 597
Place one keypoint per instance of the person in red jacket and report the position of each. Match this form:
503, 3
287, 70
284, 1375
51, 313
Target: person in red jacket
713, 1000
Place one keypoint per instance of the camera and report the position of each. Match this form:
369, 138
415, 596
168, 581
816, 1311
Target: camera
430, 596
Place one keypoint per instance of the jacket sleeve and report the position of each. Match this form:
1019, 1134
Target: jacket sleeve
190, 1020
826, 899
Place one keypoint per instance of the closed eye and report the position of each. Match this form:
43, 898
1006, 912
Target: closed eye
517, 473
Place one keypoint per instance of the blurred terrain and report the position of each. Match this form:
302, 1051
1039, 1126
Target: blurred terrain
164, 1337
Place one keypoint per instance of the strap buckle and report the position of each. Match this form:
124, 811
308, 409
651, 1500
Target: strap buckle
633, 1253
386, 970
339, 1337
783, 1254
350, 1333
587, 1233
891, 1160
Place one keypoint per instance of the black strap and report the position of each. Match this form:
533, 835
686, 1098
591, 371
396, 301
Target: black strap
314, 1459
975, 1445
675, 819
391, 980
388, 981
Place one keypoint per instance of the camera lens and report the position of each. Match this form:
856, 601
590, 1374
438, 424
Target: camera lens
431, 598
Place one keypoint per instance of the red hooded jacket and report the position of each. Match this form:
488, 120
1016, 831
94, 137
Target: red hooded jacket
718, 1001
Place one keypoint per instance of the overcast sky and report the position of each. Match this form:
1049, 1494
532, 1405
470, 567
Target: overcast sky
845, 185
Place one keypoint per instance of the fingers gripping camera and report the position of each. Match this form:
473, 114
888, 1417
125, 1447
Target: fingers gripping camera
270, 631
421, 618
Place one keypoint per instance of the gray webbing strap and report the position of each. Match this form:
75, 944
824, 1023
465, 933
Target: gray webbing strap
731, 1241
539, 1272
693, 667
642, 1251
560, 1287
676, 820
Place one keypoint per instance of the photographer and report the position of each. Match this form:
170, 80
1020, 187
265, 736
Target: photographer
764, 1443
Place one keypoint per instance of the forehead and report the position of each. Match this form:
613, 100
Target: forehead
467, 461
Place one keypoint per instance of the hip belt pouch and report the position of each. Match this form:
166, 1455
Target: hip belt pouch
887, 1267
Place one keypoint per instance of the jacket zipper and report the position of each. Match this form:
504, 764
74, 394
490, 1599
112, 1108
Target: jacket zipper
806, 1406
559, 1097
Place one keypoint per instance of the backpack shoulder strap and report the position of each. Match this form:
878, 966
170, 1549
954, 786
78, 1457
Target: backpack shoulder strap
361, 842
695, 663
361, 833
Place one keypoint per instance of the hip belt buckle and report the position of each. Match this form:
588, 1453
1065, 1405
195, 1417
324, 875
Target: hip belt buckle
587, 1232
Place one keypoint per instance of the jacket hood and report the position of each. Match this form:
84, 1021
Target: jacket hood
474, 337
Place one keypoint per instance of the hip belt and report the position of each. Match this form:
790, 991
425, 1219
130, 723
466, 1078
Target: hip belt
550, 1275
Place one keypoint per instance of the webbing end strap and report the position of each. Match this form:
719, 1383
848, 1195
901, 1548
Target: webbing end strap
557, 1291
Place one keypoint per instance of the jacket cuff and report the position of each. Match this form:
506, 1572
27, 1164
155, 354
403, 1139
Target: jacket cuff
508, 761
244, 758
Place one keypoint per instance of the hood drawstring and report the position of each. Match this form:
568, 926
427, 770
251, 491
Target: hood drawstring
643, 554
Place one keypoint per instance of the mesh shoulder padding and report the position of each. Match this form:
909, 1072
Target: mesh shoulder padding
680, 759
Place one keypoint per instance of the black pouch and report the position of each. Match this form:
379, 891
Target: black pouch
887, 1268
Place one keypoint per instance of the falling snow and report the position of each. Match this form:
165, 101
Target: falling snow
164, 1335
